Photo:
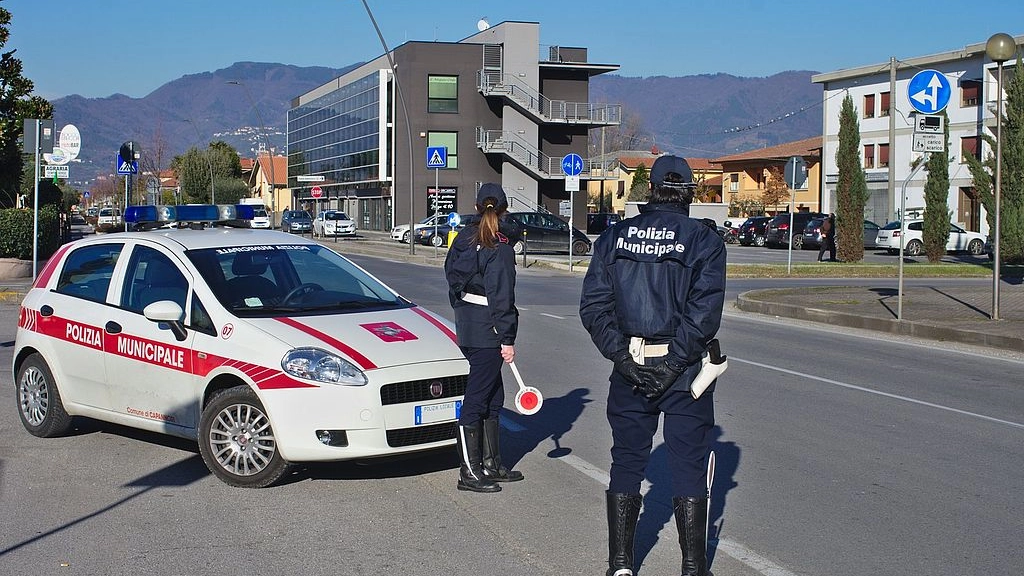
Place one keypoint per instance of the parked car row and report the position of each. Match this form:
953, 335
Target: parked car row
542, 232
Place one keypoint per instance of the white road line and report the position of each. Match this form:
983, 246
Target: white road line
552, 316
880, 393
737, 551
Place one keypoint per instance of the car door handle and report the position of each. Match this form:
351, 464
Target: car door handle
112, 327
46, 310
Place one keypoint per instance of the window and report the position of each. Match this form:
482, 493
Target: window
869, 106
734, 182
883, 104
969, 92
883, 155
969, 147
443, 94
152, 277
449, 140
869, 156
88, 270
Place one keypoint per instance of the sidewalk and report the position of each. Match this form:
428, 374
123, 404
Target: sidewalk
954, 314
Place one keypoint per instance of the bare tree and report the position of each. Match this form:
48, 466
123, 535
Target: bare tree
775, 188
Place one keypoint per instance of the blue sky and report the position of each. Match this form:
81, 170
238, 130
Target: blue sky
96, 48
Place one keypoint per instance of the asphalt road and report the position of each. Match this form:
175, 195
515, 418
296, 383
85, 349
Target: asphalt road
839, 453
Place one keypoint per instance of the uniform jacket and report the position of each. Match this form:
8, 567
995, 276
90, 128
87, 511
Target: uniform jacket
659, 275
490, 272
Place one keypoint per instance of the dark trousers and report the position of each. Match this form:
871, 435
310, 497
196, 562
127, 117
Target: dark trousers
827, 243
485, 392
687, 432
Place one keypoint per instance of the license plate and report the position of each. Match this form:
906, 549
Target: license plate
431, 413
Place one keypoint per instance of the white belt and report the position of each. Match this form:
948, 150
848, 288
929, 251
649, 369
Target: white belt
640, 350
474, 299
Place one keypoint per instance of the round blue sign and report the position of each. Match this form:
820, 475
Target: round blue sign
454, 219
572, 164
929, 91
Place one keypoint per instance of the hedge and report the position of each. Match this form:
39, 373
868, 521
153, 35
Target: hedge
16, 232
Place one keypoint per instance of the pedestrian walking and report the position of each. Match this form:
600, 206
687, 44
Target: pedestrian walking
828, 238
481, 273
652, 301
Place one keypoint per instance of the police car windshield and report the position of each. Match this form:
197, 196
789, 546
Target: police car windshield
271, 280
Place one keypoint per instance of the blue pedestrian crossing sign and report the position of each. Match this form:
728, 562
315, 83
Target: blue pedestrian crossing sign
929, 91
572, 164
437, 157
125, 167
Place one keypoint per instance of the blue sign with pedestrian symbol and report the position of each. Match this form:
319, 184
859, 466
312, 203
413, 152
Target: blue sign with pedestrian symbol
124, 167
437, 157
572, 164
929, 91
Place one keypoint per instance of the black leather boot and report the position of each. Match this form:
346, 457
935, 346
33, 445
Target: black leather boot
692, 522
493, 469
623, 512
471, 474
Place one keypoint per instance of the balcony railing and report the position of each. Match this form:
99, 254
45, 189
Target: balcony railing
538, 163
543, 108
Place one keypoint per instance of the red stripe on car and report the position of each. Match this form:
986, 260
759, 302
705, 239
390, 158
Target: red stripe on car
51, 265
349, 351
440, 325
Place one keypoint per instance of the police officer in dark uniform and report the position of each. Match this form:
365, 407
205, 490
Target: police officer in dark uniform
652, 301
481, 273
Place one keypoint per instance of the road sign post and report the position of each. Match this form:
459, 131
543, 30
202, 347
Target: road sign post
796, 175
572, 167
437, 158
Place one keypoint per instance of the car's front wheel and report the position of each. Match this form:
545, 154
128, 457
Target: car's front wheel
759, 241
405, 237
798, 243
39, 404
437, 240
976, 247
237, 441
519, 247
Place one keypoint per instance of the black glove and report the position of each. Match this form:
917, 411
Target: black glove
628, 368
656, 380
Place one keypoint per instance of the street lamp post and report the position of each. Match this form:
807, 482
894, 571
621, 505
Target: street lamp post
999, 48
270, 151
209, 162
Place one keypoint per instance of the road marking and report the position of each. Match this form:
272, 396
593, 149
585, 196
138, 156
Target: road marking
731, 548
880, 393
552, 316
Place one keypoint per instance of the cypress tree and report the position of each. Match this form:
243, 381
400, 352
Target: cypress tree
851, 187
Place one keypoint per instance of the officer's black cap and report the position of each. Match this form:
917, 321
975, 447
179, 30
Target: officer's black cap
491, 190
667, 164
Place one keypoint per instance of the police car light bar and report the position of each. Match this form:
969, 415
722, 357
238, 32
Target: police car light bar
189, 213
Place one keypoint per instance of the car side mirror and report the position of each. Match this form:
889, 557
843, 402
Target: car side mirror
170, 313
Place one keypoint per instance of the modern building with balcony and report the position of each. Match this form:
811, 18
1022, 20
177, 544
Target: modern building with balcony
887, 151
504, 113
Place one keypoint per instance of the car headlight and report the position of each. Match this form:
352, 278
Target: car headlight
322, 366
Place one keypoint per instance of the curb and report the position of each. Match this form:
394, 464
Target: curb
750, 302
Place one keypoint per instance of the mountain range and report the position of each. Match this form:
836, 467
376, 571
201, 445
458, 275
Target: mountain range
246, 104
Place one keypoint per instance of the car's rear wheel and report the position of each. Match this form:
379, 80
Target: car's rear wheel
798, 242
913, 248
237, 442
580, 248
39, 404
519, 247
976, 247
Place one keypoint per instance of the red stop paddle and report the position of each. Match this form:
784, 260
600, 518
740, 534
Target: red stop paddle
528, 399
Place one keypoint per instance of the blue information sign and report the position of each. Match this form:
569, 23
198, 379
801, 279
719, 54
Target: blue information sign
437, 157
127, 167
929, 91
572, 164
454, 219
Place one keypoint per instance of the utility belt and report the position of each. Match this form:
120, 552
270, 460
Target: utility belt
478, 299
641, 349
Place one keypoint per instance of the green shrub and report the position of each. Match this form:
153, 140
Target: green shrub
16, 232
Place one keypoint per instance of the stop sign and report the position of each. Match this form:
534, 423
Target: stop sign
316, 191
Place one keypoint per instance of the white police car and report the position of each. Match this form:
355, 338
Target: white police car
266, 348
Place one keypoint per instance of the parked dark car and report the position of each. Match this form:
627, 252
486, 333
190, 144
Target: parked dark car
777, 229
548, 233
296, 221
598, 222
812, 233
752, 231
